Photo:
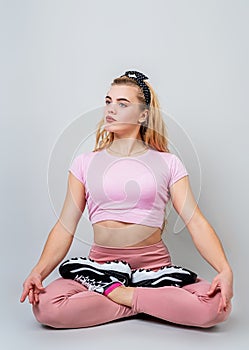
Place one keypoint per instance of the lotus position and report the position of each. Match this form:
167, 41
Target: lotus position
126, 181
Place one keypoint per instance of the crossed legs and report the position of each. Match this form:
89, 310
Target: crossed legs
68, 304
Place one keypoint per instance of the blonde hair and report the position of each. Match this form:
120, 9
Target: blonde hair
153, 131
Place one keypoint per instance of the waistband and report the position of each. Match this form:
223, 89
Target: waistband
150, 256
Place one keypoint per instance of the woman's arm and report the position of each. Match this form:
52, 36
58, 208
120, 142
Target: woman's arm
59, 239
204, 237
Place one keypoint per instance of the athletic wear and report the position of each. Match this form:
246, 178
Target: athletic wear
128, 189
165, 276
69, 304
77, 268
136, 190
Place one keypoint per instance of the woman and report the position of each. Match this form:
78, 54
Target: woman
126, 182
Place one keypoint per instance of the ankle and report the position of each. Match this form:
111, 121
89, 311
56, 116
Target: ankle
122, 295
116, 291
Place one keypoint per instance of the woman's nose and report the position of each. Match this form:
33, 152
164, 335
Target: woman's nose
112, 107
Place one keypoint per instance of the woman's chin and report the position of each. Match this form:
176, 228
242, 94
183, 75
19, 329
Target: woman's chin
109, 127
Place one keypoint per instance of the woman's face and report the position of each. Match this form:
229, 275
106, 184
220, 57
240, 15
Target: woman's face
122, 110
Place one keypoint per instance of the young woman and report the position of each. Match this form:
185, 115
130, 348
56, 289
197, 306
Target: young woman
126, 182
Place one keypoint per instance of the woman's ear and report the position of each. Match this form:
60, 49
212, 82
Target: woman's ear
143, 118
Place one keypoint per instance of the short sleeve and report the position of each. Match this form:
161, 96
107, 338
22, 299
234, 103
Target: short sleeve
77, 168
177, 170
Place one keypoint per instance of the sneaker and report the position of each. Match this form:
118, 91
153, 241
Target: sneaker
165, 276
101, 283
85, 267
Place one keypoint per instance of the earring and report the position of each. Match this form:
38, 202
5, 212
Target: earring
144, 121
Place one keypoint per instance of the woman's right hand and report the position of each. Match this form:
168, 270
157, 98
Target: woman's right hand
32, 287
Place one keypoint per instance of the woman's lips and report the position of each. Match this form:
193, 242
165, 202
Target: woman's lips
110, 119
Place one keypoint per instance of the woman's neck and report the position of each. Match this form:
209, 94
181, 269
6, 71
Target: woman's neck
127, 146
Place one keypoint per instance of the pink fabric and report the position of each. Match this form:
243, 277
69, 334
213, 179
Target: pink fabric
150, 257
128, 189
68, 304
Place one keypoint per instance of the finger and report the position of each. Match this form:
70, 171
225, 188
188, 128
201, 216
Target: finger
220, 307
31, 296
37, 293
36, 297
212, 288
228, 305
24, 295
26, 289
223, 302
38, 285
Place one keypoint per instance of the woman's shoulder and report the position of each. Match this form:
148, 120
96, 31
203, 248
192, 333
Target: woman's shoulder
170, 159
80, 163
85, 155
167, 155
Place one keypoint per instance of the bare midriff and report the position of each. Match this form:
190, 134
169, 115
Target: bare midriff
122, 234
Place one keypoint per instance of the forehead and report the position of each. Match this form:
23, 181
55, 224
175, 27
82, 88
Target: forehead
130, 92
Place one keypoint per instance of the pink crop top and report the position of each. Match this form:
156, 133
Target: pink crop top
128, 189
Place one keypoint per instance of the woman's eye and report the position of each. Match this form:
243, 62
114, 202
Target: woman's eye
121, 104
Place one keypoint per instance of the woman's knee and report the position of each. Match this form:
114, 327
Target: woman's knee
213, 316
53, 309
45, 311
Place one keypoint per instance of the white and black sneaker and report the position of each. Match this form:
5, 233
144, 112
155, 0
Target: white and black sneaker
102, 284
165, 276
84, 268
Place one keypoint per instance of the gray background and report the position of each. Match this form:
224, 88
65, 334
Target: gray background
57, 61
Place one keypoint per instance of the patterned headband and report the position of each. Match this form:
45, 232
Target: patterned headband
139, 79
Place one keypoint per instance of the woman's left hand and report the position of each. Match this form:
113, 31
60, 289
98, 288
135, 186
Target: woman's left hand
223, 282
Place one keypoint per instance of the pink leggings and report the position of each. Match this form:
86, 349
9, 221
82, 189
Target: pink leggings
68, 304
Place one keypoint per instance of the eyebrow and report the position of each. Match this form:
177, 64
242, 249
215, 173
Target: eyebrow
119, 99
